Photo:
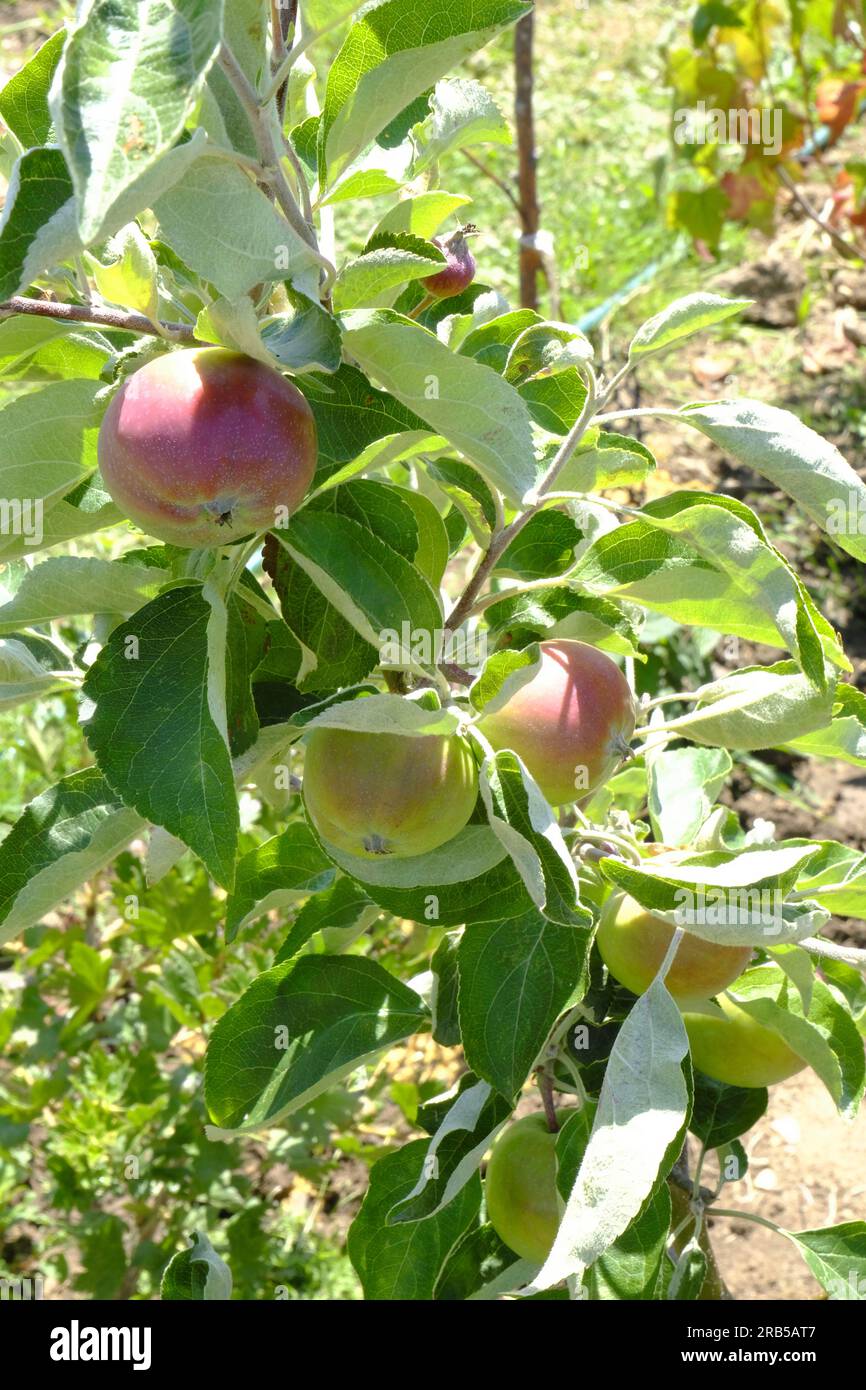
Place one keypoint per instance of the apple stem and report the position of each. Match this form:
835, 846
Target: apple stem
545, 1086
421, 306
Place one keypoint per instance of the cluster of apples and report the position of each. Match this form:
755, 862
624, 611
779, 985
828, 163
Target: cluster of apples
204, 447
725, 1043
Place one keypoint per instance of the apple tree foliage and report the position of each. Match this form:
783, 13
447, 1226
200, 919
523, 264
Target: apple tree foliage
175, 178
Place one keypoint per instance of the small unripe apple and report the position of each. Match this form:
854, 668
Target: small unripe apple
570, 724
633, 943
204, 446
459, 270
733, 1047
520, 1187
373, 795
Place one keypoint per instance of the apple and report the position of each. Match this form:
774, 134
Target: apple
570, 723
459, 270
520, 1187
204, 446
733, 1047
633, 943
385, 794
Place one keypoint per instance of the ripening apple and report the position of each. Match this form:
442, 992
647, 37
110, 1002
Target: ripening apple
733, 1047
204, 446
458, 271
374, 795
633, 943
520, 1187
570, 723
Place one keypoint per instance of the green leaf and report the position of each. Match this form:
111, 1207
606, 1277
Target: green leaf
444, 966
555, 402
65, 586
562, 612
606, 460
423, 214
689, 1275
145, 697
723, 896
222, 225
545, 547
480, 414
340, 908
245, 641
393, 52
844, 737
26, 340
522, 820
305, 339
300, 1028
196, 1274
406, 1259
709, 564
826, 1036
128, 78
373, 588
722, 1113
515, 977
462, 1137
49, 446
128, 272
685, 317
795, 459
27, 664
24, 99
757, 707
39, 187
39, 229
63, 838
352, 415
469, 879
469, 493
683, 785
462, 112
545, 349
631, 1267
383, 267
836, 1256
431, 556
641, 1114
275, 874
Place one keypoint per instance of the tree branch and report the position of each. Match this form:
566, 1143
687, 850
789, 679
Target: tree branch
501, 540
271, 158
284, 18
102, 318
844, 247
494, 178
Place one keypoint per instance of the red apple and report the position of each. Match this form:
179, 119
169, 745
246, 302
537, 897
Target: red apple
204, 446
459, 270
570, 724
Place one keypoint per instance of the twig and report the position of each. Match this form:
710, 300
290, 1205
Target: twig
283, 19
844, 247
103, 318
851, 955
501, 540
271, 159
530, 215
545, 1086
494, 178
